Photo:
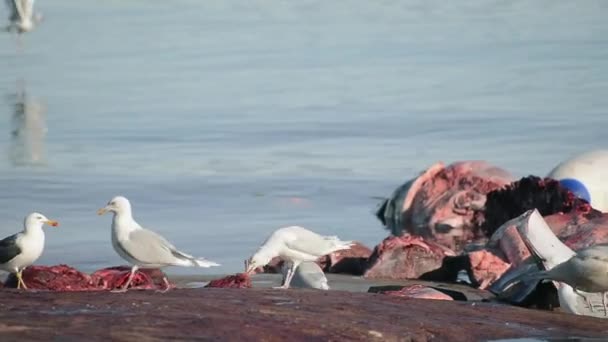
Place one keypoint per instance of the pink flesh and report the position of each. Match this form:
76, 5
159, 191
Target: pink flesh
239, 281
419, 291
443, 201
65, 278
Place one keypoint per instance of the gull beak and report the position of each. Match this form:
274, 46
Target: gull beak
102, 211
52, 223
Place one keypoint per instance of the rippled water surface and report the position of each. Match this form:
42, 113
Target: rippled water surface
223, 120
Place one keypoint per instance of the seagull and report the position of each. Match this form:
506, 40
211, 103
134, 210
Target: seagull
21, 250
22, 16
294, 245
142, 247
586, 271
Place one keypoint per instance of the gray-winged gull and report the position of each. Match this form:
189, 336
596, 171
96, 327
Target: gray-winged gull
22, 16
142, 247
294, 245
21, 250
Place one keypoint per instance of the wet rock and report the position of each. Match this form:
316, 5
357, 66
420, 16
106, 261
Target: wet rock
444, 203
237, 281
272, 315
405, 257
349, 261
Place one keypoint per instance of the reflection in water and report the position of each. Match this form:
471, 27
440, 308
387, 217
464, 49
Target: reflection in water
28, 129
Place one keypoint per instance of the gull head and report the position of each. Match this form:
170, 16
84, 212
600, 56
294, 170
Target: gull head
116, 205
259, 259
37, 220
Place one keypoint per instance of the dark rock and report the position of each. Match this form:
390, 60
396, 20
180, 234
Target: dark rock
544, 194
273, 315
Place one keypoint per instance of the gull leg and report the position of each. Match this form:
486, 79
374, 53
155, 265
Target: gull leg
167, 285
287, 276
20, 280
604, 303
294, 266
290, 273
131, 274
585, 298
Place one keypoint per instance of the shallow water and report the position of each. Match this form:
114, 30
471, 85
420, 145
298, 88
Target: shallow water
223, 120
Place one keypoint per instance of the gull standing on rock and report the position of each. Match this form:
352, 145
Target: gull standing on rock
21, 250
142, 247
294, 245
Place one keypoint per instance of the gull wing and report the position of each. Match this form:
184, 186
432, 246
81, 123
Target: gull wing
14, 11
9, 248
307, 242
148, 247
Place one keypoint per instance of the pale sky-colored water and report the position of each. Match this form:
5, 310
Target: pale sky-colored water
223, 120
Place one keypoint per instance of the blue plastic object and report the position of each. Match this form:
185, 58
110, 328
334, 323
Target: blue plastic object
578, 188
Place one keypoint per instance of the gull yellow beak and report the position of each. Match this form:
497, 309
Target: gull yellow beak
102, 211
52, 223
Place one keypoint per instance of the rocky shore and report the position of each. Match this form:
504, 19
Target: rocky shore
272, 315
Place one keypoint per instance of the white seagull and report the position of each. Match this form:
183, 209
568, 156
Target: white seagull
142, 247
22, 16
586, 271
21, 250
294, 245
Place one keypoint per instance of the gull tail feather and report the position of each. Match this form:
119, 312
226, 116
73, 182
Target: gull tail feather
189, 260
337, 245
200, 262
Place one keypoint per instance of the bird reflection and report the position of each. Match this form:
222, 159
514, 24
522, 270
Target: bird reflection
22, 17
28, 131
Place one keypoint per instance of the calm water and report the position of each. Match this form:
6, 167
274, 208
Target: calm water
223, 120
